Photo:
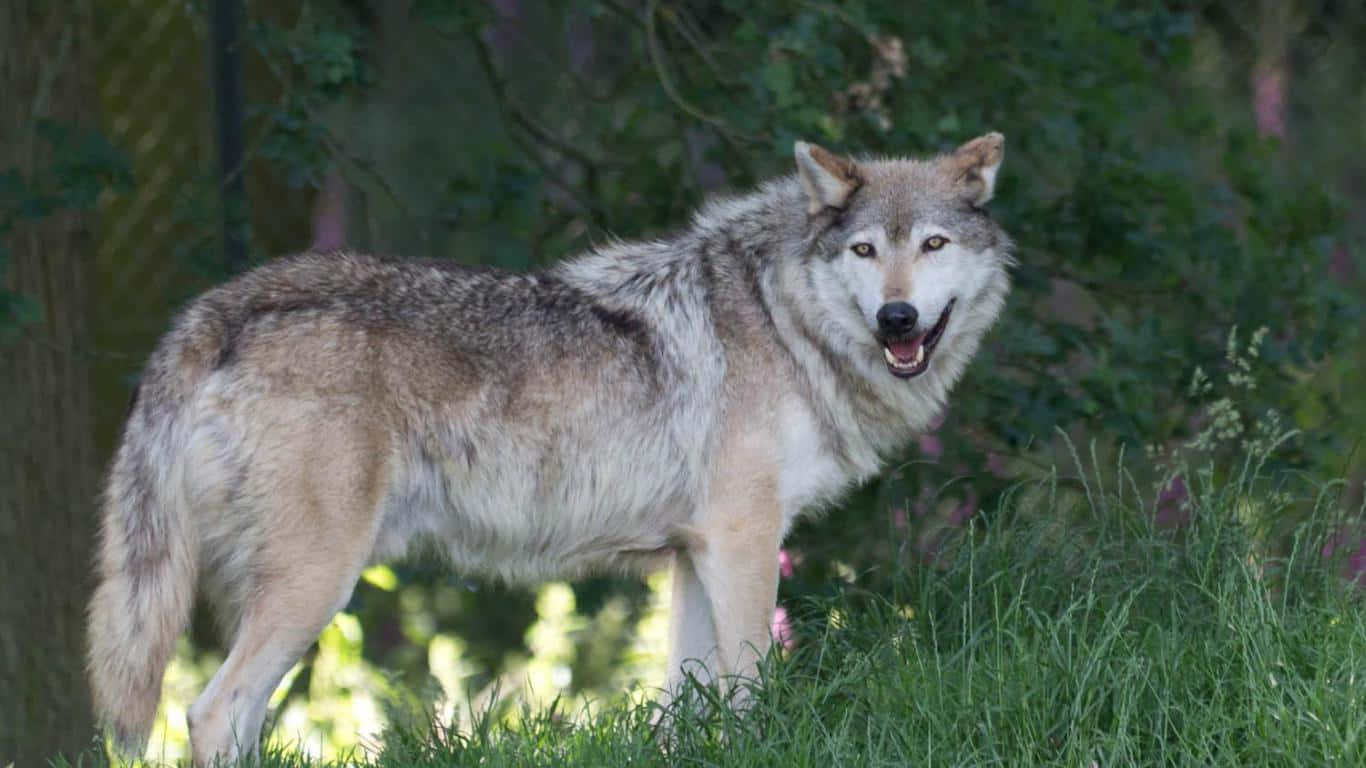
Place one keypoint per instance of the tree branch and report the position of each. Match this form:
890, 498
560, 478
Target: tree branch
501, 100
657, 56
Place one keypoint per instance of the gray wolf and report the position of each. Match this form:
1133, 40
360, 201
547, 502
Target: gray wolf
682, 399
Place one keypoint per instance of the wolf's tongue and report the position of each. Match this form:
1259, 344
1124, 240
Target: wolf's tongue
905, 349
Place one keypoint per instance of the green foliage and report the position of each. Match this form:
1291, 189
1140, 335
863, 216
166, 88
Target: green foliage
319, 60
82, 164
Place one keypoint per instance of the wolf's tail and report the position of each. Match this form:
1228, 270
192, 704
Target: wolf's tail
147, 562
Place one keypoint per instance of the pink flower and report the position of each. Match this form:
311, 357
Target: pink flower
782, 629
784, 564
996, 465
1341, 266
1268, 101
1356, 564
965, 510
1171, 503
900, 519
931, 445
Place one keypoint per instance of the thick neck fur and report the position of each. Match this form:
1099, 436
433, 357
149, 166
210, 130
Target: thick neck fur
760, 249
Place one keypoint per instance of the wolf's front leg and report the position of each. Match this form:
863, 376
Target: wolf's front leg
745, 593
740, 576
736, 564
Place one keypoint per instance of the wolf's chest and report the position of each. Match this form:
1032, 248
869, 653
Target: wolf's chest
811, 473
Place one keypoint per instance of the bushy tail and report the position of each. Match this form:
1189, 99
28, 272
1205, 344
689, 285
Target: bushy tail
147, 572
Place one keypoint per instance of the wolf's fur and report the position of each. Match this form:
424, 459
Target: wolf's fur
682, 398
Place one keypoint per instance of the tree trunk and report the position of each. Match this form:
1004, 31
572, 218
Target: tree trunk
48, 477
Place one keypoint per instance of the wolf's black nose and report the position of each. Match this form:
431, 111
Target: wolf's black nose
896, 318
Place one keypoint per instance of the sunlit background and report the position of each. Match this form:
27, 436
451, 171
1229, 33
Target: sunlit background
347, 701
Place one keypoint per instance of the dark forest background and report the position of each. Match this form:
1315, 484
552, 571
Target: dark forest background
1174, 171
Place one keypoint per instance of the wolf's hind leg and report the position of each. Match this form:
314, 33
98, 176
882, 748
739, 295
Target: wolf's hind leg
692, 635
226, 719
320, 534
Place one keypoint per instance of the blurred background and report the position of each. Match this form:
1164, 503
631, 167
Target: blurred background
1175, 171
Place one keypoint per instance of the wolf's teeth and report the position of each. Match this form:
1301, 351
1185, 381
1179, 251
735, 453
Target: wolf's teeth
891, 358
920, 354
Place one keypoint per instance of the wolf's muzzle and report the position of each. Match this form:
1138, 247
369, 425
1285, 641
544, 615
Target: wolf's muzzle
908, 353
896, 318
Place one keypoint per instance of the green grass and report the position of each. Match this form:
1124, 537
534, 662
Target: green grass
1068, 631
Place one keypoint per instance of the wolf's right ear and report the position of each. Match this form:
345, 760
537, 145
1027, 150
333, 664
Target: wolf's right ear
828, 180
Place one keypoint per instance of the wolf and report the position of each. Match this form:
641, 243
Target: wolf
680, 400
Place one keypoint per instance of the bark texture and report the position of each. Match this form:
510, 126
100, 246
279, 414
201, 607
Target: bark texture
48, 475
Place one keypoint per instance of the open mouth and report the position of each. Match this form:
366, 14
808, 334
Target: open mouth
909, 356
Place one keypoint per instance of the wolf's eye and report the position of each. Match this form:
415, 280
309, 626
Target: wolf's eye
935, 243
862, 249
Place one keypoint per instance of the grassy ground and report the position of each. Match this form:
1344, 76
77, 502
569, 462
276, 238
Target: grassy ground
1076, 634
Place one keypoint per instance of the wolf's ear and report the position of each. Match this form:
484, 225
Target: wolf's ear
975, 164
827, 179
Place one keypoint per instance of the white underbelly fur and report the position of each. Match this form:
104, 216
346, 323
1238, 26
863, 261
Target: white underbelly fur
526, 509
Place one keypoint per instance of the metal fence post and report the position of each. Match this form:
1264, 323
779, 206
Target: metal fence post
225, 53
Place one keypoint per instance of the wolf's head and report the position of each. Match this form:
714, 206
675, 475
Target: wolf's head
912, 264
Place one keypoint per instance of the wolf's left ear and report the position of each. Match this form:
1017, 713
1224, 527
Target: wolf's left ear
976, 163
828, 180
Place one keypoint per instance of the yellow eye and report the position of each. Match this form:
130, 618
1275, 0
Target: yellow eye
935, 243
862, 249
